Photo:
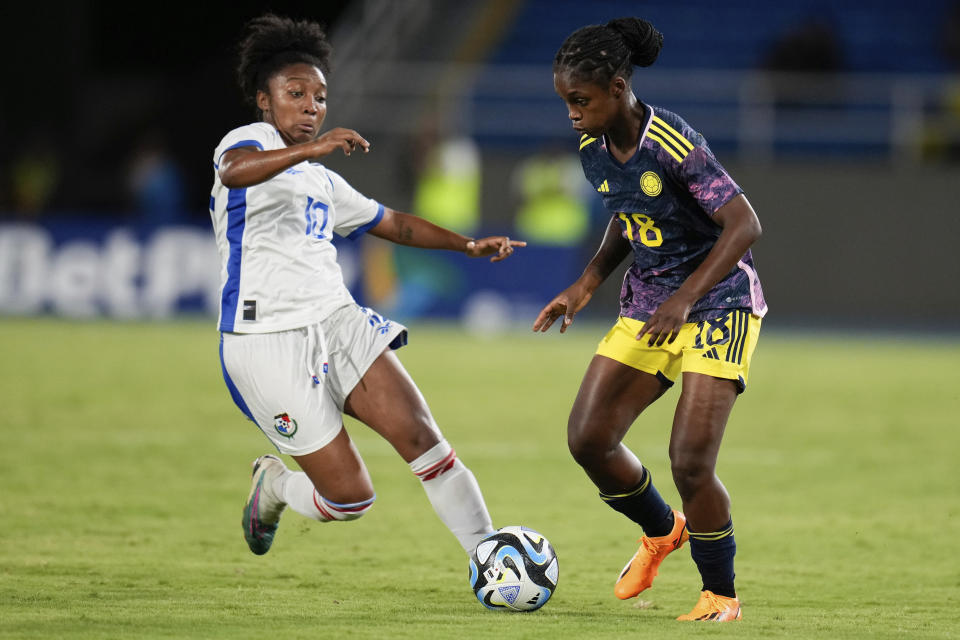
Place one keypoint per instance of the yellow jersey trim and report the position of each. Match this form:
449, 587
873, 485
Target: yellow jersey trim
585, 140
665, 146
666, 137
673, 133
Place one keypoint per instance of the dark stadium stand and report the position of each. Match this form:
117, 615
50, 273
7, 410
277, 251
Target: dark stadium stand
877, 35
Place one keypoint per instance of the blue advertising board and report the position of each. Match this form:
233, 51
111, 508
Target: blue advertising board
87, 268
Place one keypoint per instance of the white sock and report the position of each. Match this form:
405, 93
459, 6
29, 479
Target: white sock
299, 493
454, 494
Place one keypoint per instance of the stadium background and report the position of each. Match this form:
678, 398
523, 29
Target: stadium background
123, 463
840, 120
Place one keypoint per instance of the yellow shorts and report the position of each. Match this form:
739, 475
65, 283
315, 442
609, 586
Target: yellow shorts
720, 348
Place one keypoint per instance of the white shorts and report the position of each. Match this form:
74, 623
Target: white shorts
292, 384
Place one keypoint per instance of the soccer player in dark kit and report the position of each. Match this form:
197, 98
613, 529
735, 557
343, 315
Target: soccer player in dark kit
691, 304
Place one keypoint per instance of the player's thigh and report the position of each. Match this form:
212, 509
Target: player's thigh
388, 401
611, 396
625, 376
716, 356
700, 420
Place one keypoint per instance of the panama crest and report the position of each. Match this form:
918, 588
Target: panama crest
650, 183
285, 425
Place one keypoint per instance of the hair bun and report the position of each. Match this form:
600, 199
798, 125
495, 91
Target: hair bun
641, 37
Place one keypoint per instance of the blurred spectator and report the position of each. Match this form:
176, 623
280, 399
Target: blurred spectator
941, 139
813, 46
448, 188
447, 193
552, 209
34, 177
950, 36
156, 183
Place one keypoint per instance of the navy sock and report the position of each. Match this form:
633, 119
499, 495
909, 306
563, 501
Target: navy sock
713, 552
643, 505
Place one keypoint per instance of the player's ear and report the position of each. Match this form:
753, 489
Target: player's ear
617, 86
263, 101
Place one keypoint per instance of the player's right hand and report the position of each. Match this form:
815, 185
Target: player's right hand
567, 304
346, 139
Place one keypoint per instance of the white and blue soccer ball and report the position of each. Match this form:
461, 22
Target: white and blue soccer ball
514, 569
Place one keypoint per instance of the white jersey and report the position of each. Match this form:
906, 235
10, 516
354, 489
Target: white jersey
278, 268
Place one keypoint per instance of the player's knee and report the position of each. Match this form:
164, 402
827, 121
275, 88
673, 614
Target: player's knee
587, 448
690, 474
345, 511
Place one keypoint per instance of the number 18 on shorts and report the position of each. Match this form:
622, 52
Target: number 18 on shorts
720, 347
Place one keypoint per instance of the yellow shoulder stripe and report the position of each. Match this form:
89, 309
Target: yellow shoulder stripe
666, 140
673, 133
585, 141
664, 145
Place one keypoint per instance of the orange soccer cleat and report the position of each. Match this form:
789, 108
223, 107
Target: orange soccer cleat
714, 608
639, 573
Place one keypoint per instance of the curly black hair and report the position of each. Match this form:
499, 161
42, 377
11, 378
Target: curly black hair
600, 52
273, 42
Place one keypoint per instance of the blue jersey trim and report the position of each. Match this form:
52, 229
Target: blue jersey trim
232, 388
236, 223
242, 143
359, 231
213, 203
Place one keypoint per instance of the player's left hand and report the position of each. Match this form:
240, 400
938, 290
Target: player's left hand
665, 323
501, 246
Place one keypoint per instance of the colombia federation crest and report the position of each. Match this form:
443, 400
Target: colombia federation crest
650, 183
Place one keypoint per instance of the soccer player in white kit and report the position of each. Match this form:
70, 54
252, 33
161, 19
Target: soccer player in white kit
297, 351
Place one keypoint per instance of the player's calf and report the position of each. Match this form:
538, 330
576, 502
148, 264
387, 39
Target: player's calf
454, 493
298, 491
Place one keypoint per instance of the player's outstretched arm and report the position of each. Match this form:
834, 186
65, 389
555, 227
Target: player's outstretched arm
571, 300
412, 231
247, 166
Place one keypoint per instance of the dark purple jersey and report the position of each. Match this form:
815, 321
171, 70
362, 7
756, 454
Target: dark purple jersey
664, 198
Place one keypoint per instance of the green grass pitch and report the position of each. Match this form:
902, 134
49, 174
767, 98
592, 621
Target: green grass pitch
124, 465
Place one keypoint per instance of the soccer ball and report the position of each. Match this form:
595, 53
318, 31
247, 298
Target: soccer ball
514, 569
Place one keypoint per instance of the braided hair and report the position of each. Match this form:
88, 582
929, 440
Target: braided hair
273, 42
600, 52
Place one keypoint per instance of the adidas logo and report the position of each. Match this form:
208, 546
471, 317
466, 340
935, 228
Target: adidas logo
604, 188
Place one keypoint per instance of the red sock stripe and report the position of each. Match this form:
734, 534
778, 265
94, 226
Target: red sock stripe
435, 470
319, 505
